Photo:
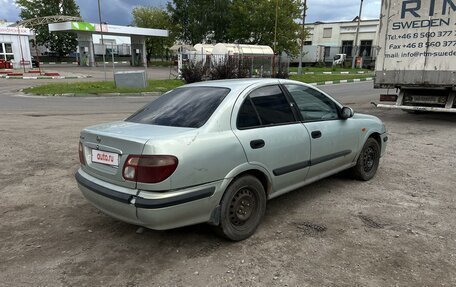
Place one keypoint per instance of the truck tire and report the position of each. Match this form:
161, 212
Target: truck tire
368, 161
242, 208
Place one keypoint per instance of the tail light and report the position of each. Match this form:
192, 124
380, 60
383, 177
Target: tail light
149, 168
81, 154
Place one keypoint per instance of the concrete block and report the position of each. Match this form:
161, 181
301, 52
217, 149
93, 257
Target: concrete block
130, 79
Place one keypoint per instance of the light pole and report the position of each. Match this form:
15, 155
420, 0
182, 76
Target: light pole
302, 38
275, 38
20, 44
102, 42
357, 33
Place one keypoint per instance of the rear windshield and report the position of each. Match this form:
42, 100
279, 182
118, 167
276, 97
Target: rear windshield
188, 107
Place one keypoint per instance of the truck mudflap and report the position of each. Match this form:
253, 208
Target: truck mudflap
415, 108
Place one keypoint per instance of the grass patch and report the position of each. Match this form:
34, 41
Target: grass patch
329, 69
101, 87
317, 78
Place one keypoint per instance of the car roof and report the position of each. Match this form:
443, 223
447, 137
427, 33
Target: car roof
238, 85
241, 84
230, 83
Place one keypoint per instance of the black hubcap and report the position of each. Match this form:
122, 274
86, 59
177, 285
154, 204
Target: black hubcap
242, 206
369, 156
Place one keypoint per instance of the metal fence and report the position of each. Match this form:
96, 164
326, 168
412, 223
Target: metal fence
246, 65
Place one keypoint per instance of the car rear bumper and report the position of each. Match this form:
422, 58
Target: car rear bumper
154, 210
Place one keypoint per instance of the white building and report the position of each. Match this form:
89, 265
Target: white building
326, 39
14, 45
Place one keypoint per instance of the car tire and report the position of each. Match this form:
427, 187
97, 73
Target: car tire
242, 208
368, 161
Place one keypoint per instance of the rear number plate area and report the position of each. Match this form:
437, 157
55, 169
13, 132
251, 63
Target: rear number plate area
425, 99
104, 157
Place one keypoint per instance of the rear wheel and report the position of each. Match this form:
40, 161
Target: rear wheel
368, 160
242, 208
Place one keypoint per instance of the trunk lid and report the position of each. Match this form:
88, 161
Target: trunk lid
107, 146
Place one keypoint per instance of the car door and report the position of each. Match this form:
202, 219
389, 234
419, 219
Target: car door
272, 136
334, 141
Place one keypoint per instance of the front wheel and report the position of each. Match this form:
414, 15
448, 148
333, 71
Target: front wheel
242, 208
368, 161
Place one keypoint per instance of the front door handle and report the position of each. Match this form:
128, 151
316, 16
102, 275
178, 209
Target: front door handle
316, 134
257, 144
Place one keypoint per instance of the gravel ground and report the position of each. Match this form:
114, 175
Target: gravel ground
398, 229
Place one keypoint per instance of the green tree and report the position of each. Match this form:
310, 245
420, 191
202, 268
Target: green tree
201, 21
255, 23
155, 18
61, 43
240, 21
220, 19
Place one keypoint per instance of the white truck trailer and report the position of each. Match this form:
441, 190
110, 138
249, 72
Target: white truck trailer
417, 55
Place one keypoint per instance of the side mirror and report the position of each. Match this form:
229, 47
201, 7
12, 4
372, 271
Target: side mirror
346, 113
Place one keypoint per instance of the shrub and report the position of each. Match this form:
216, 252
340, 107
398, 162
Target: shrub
224, 69
194, 72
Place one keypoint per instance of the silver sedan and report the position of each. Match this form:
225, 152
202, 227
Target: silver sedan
216, 151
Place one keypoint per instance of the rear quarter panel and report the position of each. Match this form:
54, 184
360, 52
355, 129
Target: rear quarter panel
203, 158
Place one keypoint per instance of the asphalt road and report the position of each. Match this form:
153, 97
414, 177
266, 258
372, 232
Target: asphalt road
12, 101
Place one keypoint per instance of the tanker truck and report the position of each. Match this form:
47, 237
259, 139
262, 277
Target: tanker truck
417, 55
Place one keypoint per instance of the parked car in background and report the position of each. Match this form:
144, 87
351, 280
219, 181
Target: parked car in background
339, 59
216, 151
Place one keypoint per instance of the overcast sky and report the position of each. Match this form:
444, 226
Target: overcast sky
118, 12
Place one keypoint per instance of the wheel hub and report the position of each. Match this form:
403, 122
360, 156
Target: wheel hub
369, 158
242, 206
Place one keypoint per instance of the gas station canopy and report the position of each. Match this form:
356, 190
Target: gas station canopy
106, 29
84, 30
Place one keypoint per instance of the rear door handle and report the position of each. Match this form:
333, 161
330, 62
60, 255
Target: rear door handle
316, 134
257, 144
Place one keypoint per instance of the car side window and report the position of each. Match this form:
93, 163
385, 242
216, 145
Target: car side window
265, 106
313, 105
247, 117
272, 106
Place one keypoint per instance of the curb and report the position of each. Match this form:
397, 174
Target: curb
142, 94
58, 63
43, 77
75, 63
115, 62
341, 82
330, 73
